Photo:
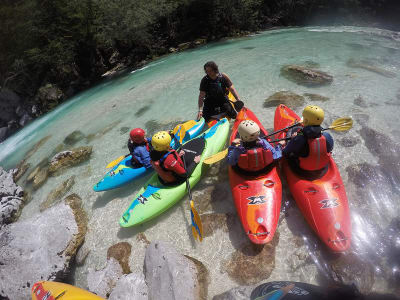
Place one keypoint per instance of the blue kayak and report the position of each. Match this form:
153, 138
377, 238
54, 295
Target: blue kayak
124, 172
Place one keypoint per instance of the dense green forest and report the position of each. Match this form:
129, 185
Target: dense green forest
71, 43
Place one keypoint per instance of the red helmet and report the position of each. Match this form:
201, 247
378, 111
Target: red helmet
137, 135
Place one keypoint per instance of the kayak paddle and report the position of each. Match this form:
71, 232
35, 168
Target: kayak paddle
116, 161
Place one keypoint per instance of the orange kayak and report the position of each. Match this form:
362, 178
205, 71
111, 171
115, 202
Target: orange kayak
50, 290
257, 196
321, 198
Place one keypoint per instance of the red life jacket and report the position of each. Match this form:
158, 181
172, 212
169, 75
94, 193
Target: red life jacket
133, 156
318, 156
166, 176
255, 159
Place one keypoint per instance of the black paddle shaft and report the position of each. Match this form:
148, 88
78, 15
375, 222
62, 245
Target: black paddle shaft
187, 180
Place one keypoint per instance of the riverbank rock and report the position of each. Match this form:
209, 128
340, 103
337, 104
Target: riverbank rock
103, 281
74, 137
362, 64
290, 99
57, 193
49, 96
252, 263
306, 76
170, 275
131, 286
66, 159
11, 198
9, 102
316, 97
121, 253
40, 248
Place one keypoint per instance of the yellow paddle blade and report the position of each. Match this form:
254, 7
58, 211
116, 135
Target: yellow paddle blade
197, 226
216, 157
115, 162
342, 124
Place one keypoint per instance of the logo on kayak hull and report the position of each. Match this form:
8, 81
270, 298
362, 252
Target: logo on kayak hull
142, 199
256, 200
329, 203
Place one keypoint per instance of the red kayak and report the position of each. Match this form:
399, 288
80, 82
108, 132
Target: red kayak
257, 196
322, 199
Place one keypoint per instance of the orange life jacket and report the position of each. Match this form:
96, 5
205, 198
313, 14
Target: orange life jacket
166, 176
255, 159
318, 156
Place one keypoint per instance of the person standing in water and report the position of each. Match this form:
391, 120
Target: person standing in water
213, 97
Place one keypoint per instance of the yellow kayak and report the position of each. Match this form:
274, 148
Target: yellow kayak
50, 290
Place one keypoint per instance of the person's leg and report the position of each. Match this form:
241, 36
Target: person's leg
230, 111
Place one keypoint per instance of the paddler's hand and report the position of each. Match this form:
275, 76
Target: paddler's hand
282, 143
199, 114
197, 159
181, 153
236, 142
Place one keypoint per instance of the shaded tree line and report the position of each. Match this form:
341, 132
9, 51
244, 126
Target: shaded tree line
70, 43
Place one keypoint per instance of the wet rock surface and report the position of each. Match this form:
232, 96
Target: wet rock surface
121, 252
57, 193
43, 254
152, 126
215, 221
252, 263
103, 281
67, 159
11, 198
349, 141
238, 293
49, 96
290, 99
369, 66
123, 130
20, 170
74, 137
131, 286
306, 76
40, 177
170, 275
142, 110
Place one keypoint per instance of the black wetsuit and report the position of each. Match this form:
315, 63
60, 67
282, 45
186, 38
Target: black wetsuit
216, 100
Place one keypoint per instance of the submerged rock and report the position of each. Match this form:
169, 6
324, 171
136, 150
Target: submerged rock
352, 63
103, 281
74, 137
57, 193
311, 64
20, 170
213, 222
152, 126
131, 286
40, 248
290, 99
316, 97
359, 101
306, 76
170, 275
36, 147
141, 237
66, 159
252, 263
142, 110
349, 269
121, 253
11, 198
40, 178
349, 141
124, 130
99, 134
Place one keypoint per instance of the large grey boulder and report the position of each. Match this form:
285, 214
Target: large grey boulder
170, 275
131, 286
40, 248
11, 198
103, 281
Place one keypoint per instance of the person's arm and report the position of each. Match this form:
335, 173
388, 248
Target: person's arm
230, 86
143, 156
233, 155
294, 146
329, 142
175, 165
276, 152
130, 146
202, 95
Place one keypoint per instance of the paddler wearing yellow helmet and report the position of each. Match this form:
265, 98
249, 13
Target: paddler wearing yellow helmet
310, 148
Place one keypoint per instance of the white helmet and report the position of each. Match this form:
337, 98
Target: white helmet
249, 131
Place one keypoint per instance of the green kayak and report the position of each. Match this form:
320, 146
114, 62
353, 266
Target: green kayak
155, 198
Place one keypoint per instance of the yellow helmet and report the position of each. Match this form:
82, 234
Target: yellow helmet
249, 131
161, 140
313, 115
